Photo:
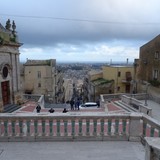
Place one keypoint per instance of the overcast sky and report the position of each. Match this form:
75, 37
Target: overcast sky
82, 30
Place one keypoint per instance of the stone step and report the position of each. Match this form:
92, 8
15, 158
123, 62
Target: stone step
9, 108
125, 106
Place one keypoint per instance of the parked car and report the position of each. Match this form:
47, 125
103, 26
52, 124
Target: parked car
88, 105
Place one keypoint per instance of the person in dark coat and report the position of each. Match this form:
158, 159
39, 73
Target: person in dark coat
51, 110
65, 110
77, 104
38, 108
72, 104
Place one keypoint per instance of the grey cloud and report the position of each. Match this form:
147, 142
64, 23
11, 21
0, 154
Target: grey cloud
124, 21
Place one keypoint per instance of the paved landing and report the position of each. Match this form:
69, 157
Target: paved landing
110, 150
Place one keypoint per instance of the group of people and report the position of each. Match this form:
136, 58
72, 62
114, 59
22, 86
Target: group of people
74, 104
51, 110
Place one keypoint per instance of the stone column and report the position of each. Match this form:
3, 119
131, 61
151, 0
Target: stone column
152, 148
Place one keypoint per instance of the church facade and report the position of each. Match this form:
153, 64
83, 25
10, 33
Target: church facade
9, 65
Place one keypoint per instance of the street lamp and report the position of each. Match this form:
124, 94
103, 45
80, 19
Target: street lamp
147, 85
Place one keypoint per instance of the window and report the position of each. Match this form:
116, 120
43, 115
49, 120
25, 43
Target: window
39, 74
39, 85
118, 88
156, 55
5, 72
119, 73
155, 74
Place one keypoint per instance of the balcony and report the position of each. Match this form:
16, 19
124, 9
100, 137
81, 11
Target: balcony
128, 78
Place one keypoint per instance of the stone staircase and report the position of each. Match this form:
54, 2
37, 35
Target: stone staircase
126, 107
9, 108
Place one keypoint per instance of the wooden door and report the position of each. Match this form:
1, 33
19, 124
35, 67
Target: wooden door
5, 92
128, 88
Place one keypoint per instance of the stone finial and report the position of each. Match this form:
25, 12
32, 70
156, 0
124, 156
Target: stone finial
8, 24
13, 26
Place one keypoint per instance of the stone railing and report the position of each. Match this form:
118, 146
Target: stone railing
76, 126
37, 98
136, 104
152, 148
110, 97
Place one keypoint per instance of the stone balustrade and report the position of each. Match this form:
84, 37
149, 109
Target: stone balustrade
152, 148
135, 103
76, 126
37, 98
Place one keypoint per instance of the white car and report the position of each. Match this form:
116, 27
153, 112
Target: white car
88, 105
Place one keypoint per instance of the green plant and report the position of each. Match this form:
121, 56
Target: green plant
154, 83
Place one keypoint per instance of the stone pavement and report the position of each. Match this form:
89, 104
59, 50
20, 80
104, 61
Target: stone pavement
155, 109
91, 150
31, 107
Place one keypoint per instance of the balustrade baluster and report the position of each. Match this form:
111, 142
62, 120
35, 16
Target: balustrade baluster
21, 127
13, 127
102, 127
95, 127
80, 127
6, 127
43, 127
28, 127
35, 127
50, 127
58, 128
109, 126
87, 126
116, 126
144, 128
73, 127
124, 126
65, 127
152, 132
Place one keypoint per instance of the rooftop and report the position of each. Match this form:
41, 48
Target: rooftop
48, 62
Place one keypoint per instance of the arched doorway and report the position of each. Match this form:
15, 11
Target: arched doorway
5, 92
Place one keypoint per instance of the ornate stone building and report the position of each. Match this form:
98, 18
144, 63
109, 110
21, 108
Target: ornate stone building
9, 65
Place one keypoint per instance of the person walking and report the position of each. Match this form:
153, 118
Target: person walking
72, 104
77, 104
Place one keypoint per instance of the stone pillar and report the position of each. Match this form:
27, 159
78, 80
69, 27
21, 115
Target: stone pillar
135, 127
152, 148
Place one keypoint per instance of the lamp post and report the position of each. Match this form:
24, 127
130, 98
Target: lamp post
147, 85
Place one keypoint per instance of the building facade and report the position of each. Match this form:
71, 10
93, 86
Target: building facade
122, 77
41, 77
9, 65
94, 85
68, 89
149, 61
